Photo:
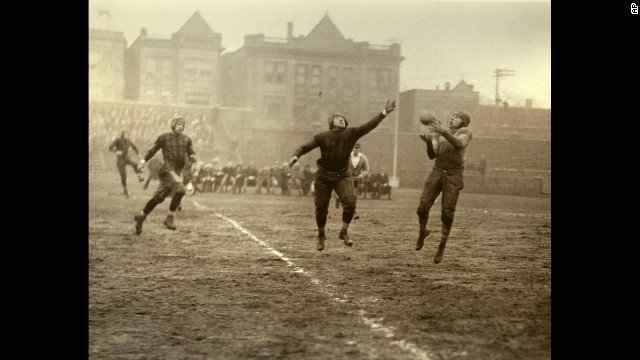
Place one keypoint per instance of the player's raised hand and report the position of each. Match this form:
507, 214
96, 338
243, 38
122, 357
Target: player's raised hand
141, 165
390, 106
293, 160
436, 127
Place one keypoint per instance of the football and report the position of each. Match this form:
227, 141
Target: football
427, 118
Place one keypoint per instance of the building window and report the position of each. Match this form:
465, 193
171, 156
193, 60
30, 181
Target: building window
333, 77
316, 73
275, 72
281, 72
206, 69
151, 66
268, 71
190, 68
301, 75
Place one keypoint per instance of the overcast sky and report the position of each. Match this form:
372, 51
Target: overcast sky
442, 41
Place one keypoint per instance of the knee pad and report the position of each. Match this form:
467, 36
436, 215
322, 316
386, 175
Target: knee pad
447, 216
349, 204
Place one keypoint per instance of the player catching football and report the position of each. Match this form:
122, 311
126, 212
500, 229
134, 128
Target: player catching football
175, 148
447, 147
333, 169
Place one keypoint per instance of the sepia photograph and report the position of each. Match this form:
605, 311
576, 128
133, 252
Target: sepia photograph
307, 179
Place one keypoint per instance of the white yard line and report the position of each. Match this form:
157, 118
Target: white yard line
373, 324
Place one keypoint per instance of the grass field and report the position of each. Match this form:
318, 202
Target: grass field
240, 279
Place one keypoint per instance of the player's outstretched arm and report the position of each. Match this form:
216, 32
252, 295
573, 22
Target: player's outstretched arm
373, 123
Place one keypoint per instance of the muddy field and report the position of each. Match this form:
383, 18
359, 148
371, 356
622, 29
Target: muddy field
240, 279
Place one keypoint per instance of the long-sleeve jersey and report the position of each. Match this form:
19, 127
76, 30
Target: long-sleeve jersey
123, 145
448, 156
175, 149
336, 145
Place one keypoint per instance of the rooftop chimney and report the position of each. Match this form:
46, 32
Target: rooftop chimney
289, 30
143, 31
528, 103
447, 86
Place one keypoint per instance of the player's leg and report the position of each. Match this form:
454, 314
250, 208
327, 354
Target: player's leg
451, 190
121, 164
322, 198
177, 186
134, 165
430, 192
346, 192
164, 189
146, 184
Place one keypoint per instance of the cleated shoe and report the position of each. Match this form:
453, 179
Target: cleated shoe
320, 244
168, 222
438, 258
139, 220
423, 234
345, 237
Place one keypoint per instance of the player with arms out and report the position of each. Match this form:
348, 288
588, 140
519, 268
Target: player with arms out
121, 147
176, 147
447, 147
333, 169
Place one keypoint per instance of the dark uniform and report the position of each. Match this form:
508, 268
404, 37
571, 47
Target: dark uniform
333, 170
125, 158
176, 148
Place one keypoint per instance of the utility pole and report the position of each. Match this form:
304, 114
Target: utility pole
500, 73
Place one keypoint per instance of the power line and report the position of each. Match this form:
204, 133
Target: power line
534, 75
451, 75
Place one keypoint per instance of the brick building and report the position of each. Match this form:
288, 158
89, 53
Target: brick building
440, 102
182, 68
106, 64
299, 81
